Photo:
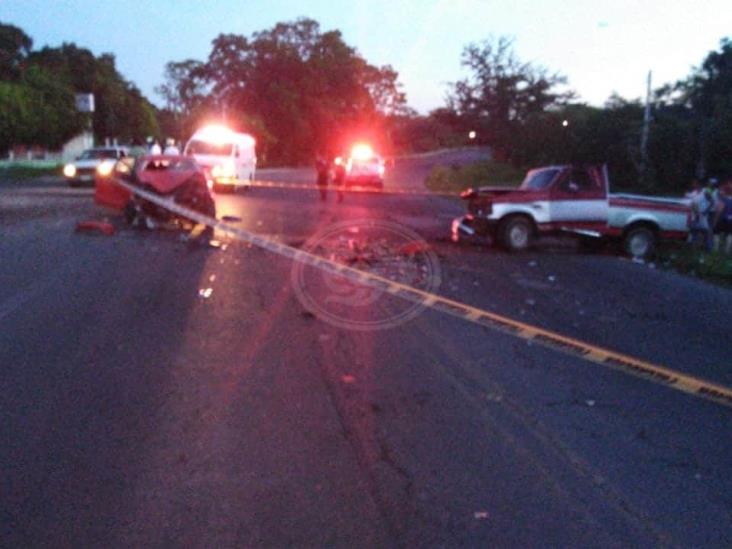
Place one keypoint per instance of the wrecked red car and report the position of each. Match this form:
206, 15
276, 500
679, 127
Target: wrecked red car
179, 177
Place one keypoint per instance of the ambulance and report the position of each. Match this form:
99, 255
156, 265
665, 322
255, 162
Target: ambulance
228, 158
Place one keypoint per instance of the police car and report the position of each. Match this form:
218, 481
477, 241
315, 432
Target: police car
364, 168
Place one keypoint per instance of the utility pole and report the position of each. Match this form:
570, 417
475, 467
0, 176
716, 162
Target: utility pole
646, 128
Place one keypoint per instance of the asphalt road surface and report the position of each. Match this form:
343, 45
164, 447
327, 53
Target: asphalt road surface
158, 391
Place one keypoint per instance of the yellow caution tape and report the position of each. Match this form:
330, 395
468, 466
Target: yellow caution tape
570, 346
334, 188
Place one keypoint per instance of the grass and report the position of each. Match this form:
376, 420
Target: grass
488, 173
714, 266
22, 171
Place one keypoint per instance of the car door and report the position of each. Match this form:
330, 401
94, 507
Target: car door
107, 192
578, 200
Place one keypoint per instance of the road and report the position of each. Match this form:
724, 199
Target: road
157, 391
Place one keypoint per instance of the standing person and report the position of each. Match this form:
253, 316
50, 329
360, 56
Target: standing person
701, 206
694, 190
691, 195
321, 166
712, 191
723, 219
170, 148
339, 176
155, 148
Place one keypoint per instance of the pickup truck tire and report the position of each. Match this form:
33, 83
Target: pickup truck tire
516, 233
640, 241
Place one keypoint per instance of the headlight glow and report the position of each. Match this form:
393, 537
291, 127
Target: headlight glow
224, 170
69, 170
105, 168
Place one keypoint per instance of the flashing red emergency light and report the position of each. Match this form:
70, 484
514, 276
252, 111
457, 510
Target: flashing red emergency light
362, 151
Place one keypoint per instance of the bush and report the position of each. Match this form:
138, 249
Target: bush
459, 178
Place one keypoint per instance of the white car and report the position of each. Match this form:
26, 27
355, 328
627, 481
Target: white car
82, 169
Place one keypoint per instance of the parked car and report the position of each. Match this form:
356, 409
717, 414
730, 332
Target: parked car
83, 169
571, 200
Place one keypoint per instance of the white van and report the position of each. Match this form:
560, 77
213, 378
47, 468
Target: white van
228, 157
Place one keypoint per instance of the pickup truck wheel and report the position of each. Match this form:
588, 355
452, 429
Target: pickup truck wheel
640, 241
516, 234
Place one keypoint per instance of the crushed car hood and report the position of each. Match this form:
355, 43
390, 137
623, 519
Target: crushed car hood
165, 182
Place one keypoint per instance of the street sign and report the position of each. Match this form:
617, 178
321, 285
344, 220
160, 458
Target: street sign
85, 102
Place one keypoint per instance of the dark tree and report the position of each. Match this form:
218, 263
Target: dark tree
298, 89
15, 45
502, 92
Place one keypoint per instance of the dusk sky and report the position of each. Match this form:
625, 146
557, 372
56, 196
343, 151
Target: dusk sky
600, 46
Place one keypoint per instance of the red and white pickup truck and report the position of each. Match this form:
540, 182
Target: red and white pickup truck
568, 199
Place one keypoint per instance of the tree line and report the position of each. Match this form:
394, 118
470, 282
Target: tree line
529, 117
38, 95
303, 91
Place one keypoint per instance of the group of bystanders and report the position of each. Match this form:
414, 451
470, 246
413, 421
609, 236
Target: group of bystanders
711, 215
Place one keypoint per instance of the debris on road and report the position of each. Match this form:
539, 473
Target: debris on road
95, 227
231, 219
480, 515
413, 248
348, 379
205, 293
